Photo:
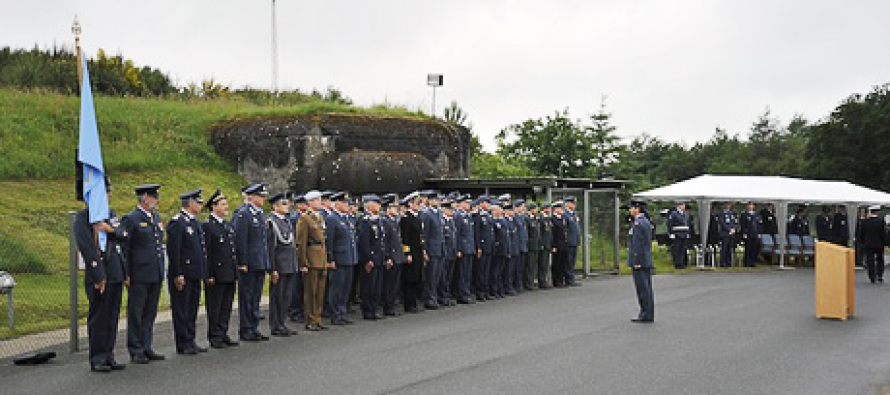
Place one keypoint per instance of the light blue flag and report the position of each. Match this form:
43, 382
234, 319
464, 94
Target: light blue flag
90, 154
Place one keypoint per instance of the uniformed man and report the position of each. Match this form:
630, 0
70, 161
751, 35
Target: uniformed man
296, 303
639, 259
187, 256
770, 226
533, 230
728, 227
679, 233
824, 223
283, 258
219, 291
252, 250
372, 256
392, 276
512, 263
840, 227
560, 248
545, 246
483, 231
500, 252
466, 242
522, 235
573, 234
103, 278
751, 228
340, 245
313, 259
873, 235
449, 233
411, 230
145, 266
434, 249
799, 224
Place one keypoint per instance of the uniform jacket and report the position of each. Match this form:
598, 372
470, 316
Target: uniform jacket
251, 239
514, 235
219, 238
108, 266
186, 253
751, 225
432, 232
483, 231
371, 240
560, 232
573, 229
411, 229
466, 238
394, 247
770, 226
449, 233
501, 237
640, 248
340, 240
282, 245
728, 223
799, 226
144, 253
678, 224
823, 228
872, 233
533, 228
522, 232
311, 241
841, 228
546, 227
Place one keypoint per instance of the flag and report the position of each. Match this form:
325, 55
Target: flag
89, 153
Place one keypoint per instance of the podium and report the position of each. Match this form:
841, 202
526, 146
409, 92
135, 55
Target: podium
835, 281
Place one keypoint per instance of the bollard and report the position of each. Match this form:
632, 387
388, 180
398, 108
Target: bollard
7, 284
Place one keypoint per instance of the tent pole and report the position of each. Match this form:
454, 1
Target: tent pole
704, 218
782, 221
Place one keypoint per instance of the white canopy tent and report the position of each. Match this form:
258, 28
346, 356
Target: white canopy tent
780, 191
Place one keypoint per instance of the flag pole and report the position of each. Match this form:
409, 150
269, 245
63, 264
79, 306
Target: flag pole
75, 28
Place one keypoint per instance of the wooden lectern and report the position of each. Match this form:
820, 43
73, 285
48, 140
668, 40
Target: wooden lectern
835, 281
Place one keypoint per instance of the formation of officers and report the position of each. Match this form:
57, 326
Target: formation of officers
322, 253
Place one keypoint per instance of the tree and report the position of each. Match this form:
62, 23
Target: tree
605, 144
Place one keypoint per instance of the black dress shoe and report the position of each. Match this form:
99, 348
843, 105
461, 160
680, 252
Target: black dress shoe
199, 348
338, 322
101, 368
139, 360
412, 310
187, 351
641, 320
217, 344
153, 356
430, 306
262, 337
116, 366
463, 301
392, 313
250, 337
230, 342
281, 333
369, 317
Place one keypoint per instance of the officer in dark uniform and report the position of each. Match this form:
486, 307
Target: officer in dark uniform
799, 225
639, 259
466, 242
219, 291
560, 247
728, 225
433, 237
392, 276
372, 256
873, 236
283, 258
751, 229
483, 232
546, 246
340, 245
500, 252
840, 227
411, 230
296, 310
103, 278
770, 225
522, 234
679, 233
449, 233
533, 229
144, 255
511, 264
573, 229
823, 225
187, 259
252, 250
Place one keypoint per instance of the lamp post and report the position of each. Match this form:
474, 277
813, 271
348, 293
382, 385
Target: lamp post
75, 28
435, 81
274, 55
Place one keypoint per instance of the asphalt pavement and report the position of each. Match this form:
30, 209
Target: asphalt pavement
715, 333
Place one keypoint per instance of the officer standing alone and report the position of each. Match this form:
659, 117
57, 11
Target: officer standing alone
639, 259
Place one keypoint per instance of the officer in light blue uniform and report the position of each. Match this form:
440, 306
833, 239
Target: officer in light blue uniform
251, 248
187, 256
483, 232
340, 245
372, 257
728, 226
522, 235
431, 218
466, 243
639, 259
509, 273
500, 252
392, 276
449, 231
574, 240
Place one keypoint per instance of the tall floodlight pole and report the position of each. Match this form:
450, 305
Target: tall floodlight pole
274, 54
75, 28
435, 81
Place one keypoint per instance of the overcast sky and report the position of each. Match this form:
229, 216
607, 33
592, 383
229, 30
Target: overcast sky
670, 68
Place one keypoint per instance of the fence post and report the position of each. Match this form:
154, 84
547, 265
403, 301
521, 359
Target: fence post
73, 337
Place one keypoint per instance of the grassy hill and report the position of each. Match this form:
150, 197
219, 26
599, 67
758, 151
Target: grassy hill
143, 141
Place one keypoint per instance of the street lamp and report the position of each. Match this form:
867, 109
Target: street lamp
75, 28
7, 283
435, 81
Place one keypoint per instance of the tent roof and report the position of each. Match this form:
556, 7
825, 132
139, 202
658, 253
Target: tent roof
766, 190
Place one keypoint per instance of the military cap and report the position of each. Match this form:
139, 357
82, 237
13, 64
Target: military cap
214, 198
405, 202
148, 189
256, 189
338, 197
466, 198
389, 197
298, 198
507, 206
412, 196
370, 198
505, 197
635, 203
518, 202
569, 199
446, 204
495, 204
679, 202
484, 199
556, 204
429, 193
312, 195
278, 197
192, 195
546, 205
876, 207
531, 205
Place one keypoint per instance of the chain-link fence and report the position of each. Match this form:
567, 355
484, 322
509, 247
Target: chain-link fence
602, 236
